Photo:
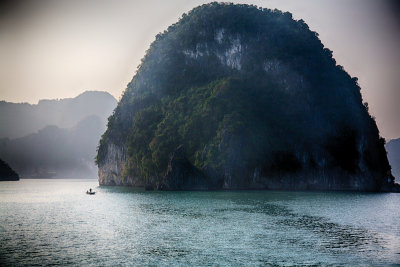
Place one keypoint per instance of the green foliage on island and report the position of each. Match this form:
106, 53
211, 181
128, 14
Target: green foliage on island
242, 87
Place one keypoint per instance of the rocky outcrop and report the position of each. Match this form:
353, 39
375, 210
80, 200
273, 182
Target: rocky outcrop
255, 100
391, 187
6, 173
112, 169
182, 175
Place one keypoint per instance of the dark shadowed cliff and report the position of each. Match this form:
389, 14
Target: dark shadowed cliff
239, 97
6, 173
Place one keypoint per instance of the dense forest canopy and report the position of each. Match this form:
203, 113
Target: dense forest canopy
243, 89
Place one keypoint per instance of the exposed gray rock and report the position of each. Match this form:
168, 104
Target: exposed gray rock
111, 171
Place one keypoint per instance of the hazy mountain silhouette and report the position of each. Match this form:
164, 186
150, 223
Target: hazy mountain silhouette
20, 119
54, 151
393, 149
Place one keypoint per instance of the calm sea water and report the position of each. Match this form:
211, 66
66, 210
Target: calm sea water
53, 222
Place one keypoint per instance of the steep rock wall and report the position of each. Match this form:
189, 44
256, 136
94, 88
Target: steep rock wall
112, 169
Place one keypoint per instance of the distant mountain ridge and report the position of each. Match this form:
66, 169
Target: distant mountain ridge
20, 119
65, 147
393, 149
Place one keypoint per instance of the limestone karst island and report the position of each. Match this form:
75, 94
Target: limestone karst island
240, 97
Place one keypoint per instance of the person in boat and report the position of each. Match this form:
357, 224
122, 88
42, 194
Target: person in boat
90, 190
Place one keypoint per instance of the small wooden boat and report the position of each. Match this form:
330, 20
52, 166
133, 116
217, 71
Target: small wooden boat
90, 192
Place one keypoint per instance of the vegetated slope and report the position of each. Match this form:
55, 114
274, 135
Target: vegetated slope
393, 149
235, 96
20, 119
6, 173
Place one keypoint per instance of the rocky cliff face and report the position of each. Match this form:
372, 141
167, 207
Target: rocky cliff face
6, 173
238, 97
113, 168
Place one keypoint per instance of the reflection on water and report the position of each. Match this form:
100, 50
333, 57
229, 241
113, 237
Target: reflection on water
54, 222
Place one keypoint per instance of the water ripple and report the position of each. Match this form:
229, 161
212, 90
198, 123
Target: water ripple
55, 223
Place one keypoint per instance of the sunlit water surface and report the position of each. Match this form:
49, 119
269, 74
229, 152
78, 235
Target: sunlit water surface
53, 222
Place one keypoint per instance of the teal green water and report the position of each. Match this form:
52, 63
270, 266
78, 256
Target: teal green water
53, 222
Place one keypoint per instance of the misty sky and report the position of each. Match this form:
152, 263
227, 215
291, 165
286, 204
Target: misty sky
57, 49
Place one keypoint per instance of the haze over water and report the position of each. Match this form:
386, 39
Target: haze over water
54, 222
